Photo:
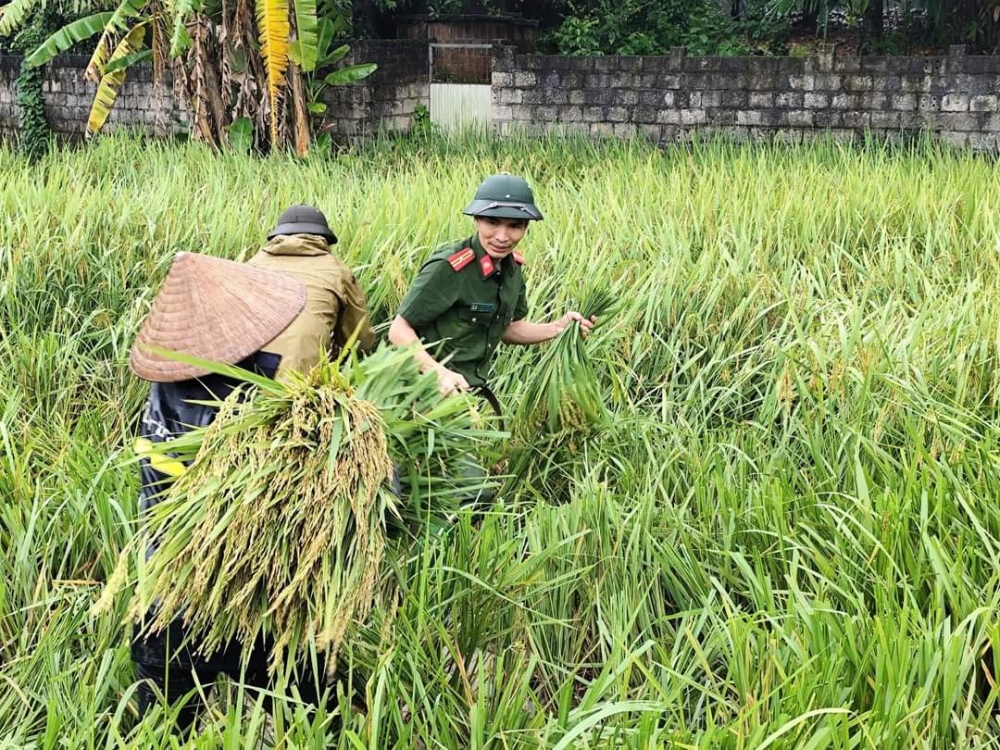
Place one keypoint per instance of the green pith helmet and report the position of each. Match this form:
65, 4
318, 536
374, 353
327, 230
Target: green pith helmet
504, 196
303, 219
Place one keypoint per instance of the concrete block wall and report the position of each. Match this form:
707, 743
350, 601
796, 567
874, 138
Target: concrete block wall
665, 98
9, 69
670, 98
388, 98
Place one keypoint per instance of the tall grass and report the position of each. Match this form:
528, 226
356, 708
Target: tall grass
787, 537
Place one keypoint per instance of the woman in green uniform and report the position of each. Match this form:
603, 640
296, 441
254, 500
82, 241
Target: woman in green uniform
470, 294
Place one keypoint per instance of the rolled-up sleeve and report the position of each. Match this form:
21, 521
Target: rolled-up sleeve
433, 292
354, 317
521, 306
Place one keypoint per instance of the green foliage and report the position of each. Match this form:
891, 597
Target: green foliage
308, 466
24, 26
240, 135
442, 7
563, 395
303, 51
652, 27
13, 15
973, 22
422, 125
324, 72
233, 64
33, 126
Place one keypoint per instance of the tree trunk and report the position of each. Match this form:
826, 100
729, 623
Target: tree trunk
875, 18
213, 95
160, 47
365, 18
198, 88
299, 110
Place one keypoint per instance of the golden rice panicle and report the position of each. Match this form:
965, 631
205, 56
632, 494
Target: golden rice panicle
279, 525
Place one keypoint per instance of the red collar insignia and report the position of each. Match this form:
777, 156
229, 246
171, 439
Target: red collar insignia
461, 259
518, 258
486, 265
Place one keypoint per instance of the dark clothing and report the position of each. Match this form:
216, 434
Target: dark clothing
177, 679
462, 312
172, 410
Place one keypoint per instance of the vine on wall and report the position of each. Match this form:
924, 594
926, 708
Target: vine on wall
34, 128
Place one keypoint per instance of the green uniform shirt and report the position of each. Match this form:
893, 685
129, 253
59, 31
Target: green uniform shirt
462, 314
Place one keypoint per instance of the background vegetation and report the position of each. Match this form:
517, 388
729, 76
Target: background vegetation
723, 27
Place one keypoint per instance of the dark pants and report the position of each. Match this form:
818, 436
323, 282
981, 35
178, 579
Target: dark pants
175, 674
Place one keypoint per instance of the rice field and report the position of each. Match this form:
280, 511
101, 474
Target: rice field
787, 535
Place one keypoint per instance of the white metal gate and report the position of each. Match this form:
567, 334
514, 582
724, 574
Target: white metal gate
459, 104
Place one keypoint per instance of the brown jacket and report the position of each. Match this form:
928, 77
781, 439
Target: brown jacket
335, 305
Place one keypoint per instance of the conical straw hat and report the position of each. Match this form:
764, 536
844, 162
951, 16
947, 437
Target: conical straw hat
214, 309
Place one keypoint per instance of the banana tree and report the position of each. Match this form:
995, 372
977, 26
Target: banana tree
230, 61
324, 73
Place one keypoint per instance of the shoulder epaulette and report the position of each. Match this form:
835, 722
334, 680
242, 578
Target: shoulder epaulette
518, 258
461, 259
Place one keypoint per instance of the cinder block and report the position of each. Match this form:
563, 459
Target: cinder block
802, 82
983, 103
693, 117
625, 130
800, 119
816, 100
955, 103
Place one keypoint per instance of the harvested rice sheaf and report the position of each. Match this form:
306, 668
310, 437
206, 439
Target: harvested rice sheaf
281, 524
564, 396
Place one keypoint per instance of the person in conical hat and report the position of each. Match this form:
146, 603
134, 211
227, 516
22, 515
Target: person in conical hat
225, 312
300, 246
469, 296
214, 309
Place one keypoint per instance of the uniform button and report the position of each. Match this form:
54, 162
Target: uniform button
473, 320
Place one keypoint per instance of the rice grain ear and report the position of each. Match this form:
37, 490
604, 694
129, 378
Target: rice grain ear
280, 525
564, 397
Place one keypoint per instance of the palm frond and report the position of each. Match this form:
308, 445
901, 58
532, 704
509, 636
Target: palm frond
305, 50
118, 22
110, 84
350, 74
12, 15
179, 39
67, 36
274, 28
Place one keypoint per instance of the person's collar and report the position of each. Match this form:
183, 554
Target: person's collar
297, 244
488, 265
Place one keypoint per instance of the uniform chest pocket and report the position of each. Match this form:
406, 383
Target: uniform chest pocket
478, 314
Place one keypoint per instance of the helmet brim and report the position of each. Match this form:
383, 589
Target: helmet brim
498, 210
304, 227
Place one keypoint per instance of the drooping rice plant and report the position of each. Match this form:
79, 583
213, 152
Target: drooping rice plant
785, 536
563, 395
280, 525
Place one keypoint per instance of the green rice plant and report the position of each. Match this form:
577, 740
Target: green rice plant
784, 536
564, 395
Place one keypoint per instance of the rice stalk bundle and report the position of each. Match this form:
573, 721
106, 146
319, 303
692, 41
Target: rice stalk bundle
565, 395
281, 524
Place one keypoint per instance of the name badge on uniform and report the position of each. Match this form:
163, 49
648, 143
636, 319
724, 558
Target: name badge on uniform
483, 307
